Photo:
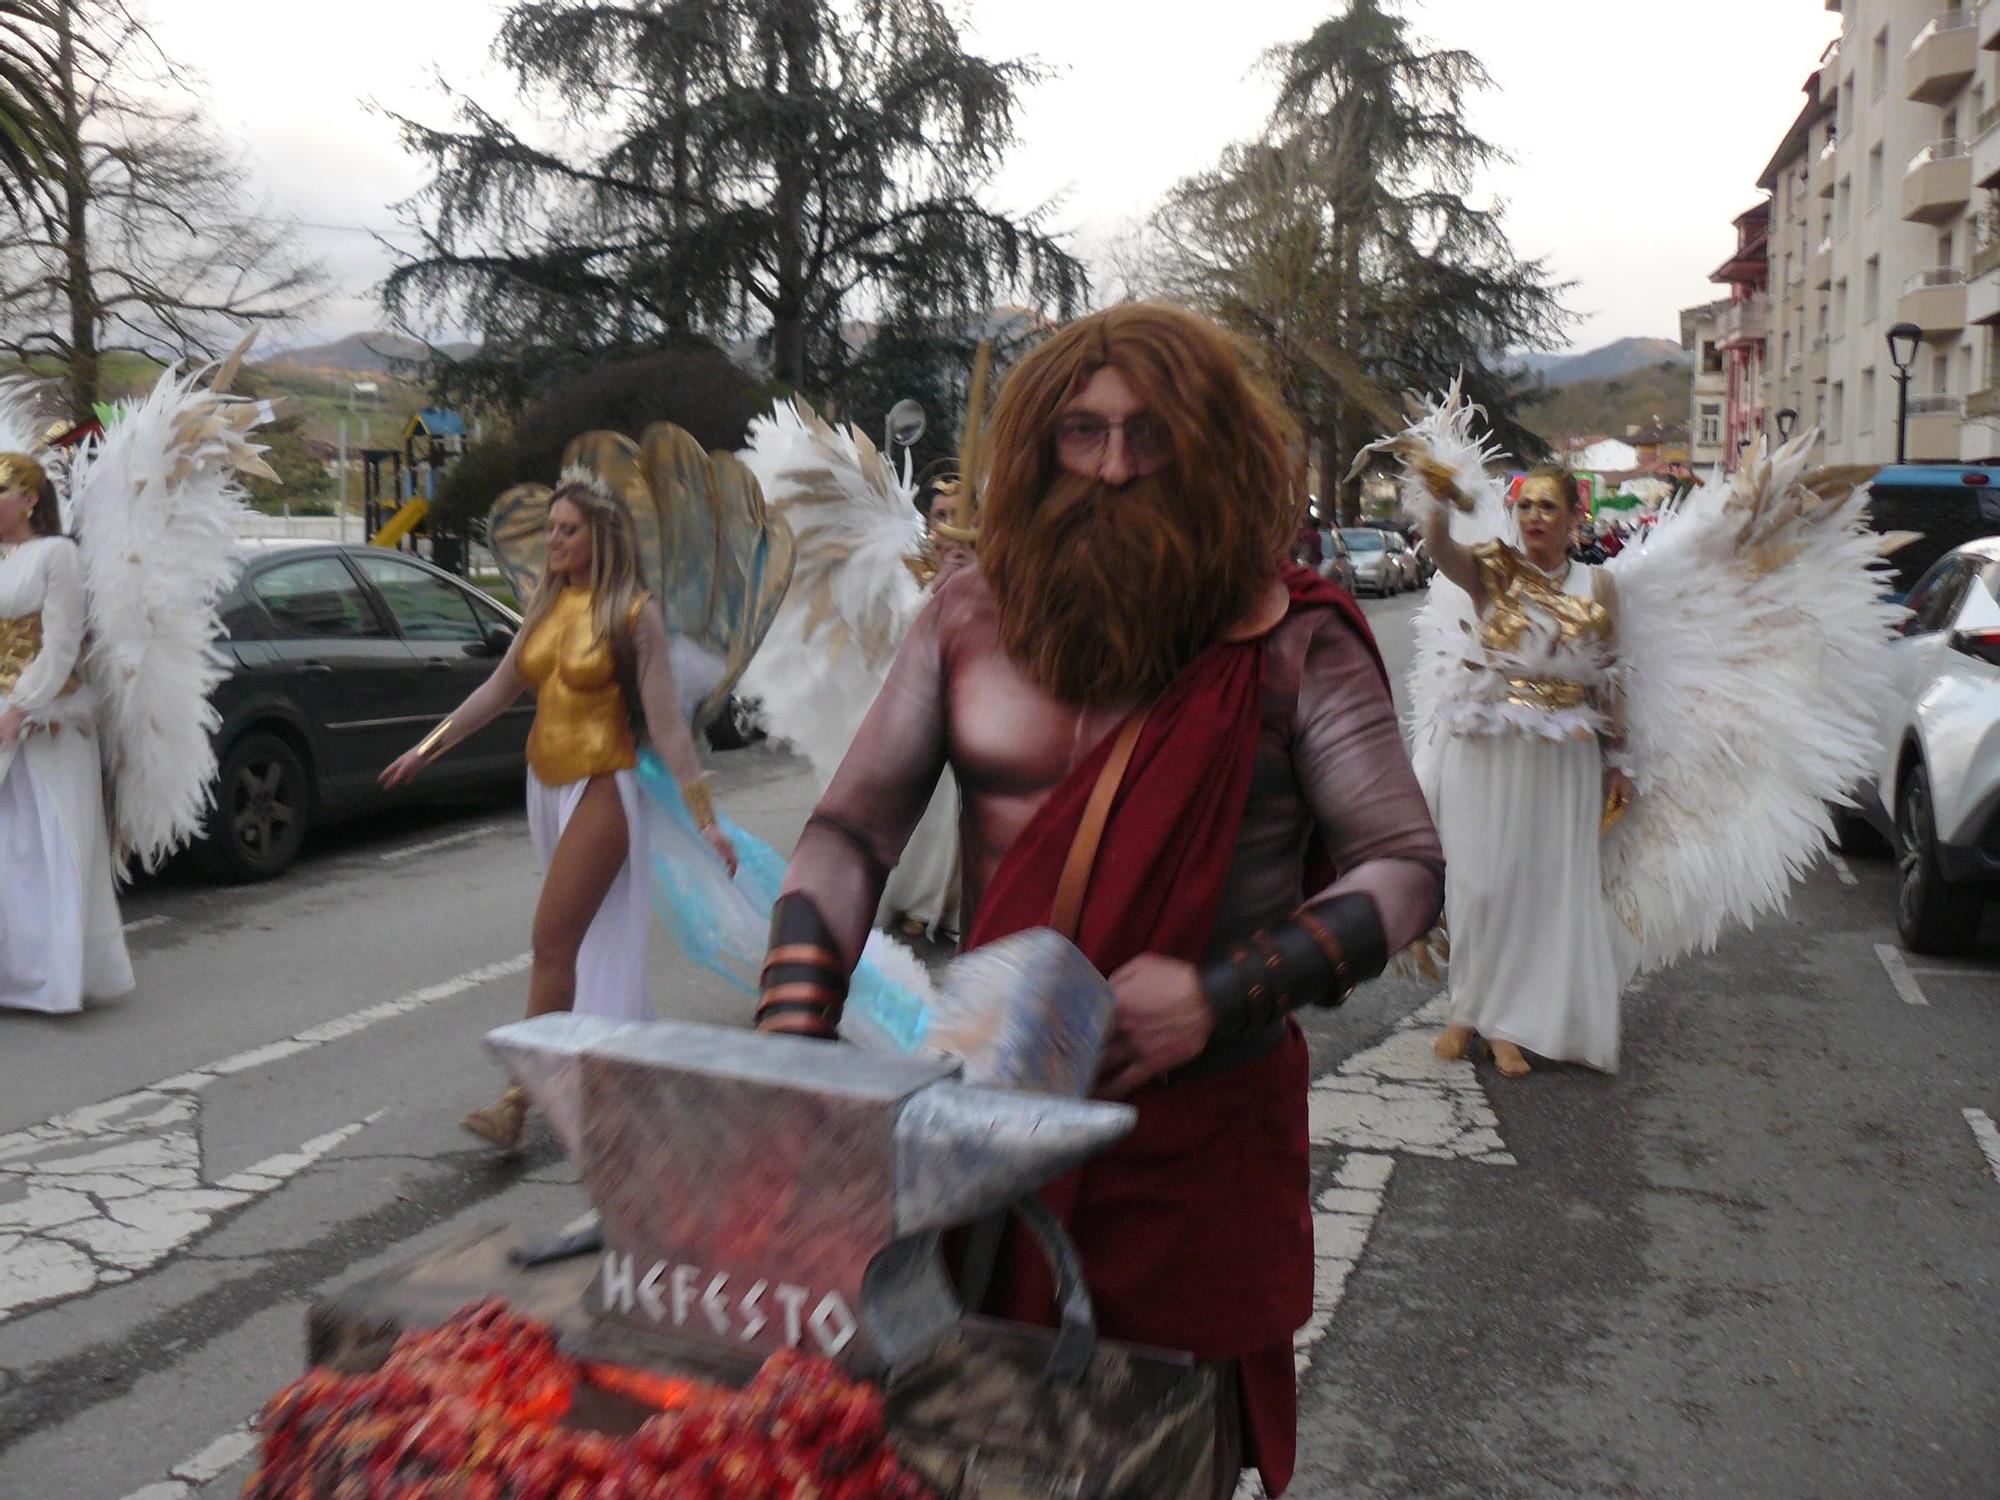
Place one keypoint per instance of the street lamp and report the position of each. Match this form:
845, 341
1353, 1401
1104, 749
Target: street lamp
1787, 416
1903, 341
904, 424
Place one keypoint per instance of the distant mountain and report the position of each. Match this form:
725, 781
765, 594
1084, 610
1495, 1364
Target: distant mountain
1619, 358
1657, 395
375, 353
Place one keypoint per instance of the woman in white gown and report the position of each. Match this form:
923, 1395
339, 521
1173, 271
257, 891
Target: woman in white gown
61, 941
1528, 774
594, 647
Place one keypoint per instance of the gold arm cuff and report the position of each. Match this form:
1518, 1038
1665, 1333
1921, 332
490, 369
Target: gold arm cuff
432, 744
700, 805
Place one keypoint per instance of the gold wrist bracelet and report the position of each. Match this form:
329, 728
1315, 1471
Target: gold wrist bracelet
700, 805
432, 744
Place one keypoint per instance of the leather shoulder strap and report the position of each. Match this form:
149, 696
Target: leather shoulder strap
1082, 858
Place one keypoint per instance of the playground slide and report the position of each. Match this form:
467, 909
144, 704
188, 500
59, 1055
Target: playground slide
403, 522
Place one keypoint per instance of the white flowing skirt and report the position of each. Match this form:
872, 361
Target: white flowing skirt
611, 965
1531, 939
924, 885
61, 940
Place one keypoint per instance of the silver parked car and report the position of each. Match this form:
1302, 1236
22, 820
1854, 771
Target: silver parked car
1937, 779
1377, 569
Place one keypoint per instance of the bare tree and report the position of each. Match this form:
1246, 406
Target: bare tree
147, 246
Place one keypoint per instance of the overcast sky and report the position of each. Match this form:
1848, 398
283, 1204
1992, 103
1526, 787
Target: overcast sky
1637, 131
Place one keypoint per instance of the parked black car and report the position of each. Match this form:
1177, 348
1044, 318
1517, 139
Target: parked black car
343, 655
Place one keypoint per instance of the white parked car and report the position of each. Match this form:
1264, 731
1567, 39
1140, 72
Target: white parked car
1937, 778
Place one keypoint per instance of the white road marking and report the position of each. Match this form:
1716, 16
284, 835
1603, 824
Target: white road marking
202, 1469
1987, 1136
1396, 1096
95, 1206
1841, 868
389, 857
140, 924
99, 1194
1899, 974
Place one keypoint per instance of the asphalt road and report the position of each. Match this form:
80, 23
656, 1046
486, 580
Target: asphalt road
1762, 1260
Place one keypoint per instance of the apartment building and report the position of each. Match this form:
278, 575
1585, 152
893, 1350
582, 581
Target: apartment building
1701, 336
1883, 209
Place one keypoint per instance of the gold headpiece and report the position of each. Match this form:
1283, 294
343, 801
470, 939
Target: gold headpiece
19, 472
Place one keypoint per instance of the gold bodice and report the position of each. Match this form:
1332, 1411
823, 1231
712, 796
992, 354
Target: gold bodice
20, 644
1514, 586
583, 722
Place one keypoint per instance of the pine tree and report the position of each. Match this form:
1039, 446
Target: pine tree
1348, 227
779, 169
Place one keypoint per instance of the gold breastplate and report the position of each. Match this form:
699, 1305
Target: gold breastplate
1514, 588
20, 644
582, 721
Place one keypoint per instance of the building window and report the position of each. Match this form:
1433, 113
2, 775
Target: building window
1874, 179
1865, 421
1844, 121
1940, 374
1878, 64
1819, 413
1839, 418
1711, 425
1840, 304
1711, 358
1871, 288
1843, 206
1950, 123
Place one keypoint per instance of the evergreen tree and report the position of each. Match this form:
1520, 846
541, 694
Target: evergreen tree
779, 169
1348, 229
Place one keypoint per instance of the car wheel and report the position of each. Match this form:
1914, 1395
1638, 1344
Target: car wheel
262, 802
1933, 915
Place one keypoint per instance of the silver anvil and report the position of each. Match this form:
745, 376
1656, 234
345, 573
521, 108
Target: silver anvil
764, 1192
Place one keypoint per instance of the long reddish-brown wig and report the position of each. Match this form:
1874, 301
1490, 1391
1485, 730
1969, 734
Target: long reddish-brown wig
1106, 593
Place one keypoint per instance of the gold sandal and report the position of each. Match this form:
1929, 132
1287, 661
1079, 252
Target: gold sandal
500, 1123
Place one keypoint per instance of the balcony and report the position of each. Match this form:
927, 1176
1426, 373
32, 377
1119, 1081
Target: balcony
1938, 182
1934, 300
1989, 27
1820, 179
1743, 322
1822, 265
1829, 73
1982, 292
1816, 361
1941, 57
1984, 402
1932, 430
1986, 147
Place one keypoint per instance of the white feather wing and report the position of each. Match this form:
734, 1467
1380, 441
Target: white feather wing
1753, 638
155, 502
852, 597
1443, 444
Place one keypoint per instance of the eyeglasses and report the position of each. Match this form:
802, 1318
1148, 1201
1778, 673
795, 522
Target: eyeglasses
1082, 436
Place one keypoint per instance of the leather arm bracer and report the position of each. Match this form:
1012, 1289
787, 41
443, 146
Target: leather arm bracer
1316, 958
804, 981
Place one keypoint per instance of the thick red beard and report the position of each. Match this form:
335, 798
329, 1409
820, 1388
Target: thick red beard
1106, 595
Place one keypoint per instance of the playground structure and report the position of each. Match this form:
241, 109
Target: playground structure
398, 485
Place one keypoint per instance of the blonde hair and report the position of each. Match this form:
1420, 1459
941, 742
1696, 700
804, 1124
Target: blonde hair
616, 588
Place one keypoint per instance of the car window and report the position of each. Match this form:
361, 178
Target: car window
315, 597
1934, 601
1363, 541
425, 606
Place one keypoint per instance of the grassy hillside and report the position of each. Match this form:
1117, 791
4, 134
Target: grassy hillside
1608, 406
311, 404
